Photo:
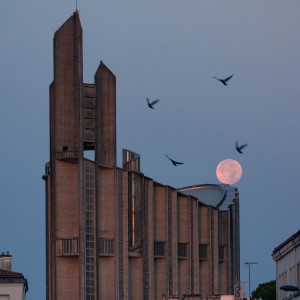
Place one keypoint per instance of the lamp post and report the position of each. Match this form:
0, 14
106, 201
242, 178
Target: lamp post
249, 264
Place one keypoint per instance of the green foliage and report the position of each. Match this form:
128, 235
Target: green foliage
266, 291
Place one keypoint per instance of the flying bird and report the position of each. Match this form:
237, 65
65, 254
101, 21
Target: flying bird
224, 81
239, 148
152, 103
174, 162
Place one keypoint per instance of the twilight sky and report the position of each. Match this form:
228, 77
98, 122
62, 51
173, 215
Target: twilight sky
166, 49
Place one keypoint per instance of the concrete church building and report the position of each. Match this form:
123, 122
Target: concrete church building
112, 232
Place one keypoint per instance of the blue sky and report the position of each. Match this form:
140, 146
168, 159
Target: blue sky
168, 50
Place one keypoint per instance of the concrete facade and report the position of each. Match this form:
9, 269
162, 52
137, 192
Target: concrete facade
287, 259
112, 232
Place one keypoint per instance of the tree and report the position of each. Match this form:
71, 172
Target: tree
266, 291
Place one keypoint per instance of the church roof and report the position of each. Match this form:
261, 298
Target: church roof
220, 196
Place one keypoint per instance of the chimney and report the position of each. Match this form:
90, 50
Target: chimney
5, 261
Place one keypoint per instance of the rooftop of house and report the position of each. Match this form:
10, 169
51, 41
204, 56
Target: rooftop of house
295, 236
7, 275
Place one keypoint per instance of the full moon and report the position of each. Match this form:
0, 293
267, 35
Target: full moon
229, 171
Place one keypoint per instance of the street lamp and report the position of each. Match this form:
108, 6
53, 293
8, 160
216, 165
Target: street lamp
249, 264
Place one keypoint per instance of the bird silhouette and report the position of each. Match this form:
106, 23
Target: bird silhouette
150, 104
239, 148
224, 81
174, 162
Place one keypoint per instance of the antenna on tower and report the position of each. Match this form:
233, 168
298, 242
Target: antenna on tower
76, 5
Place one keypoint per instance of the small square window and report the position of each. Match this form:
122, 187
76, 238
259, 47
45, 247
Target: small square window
159, 249
106, 247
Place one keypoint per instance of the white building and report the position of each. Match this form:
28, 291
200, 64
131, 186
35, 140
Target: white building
13, 285
287, 258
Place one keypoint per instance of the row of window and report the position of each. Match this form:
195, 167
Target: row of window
291, 275
67, 246
106, 248
159, 250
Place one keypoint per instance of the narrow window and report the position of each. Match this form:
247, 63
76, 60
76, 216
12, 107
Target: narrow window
203, 251
221, 253
182, 250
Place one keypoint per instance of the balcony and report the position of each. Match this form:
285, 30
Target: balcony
71, 156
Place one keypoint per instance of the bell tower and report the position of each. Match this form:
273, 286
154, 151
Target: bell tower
82, 118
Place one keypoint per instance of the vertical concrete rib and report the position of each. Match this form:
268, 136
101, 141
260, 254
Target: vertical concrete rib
105, 159
63, 208
67, 83
105, 82
120, 238
170, 243
191, 246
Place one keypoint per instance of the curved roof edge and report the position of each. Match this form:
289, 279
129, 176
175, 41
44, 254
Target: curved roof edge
220, 196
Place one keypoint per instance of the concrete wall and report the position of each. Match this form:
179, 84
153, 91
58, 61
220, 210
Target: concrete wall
12, 291
287, 258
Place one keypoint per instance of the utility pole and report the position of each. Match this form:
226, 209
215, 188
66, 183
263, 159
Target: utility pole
249, 264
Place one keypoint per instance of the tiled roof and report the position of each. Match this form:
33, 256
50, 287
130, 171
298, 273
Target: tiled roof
6, 273
13, 277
